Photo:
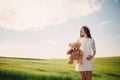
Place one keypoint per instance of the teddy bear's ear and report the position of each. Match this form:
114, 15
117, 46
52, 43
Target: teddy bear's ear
79, 43
69, 44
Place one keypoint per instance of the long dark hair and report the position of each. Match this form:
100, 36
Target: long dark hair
87, 31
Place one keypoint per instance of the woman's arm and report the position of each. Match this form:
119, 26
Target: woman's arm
93, 50
78, 40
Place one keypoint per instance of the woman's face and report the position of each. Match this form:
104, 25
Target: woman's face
83, 33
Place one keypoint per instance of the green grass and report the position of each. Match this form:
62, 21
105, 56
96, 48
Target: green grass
55, 69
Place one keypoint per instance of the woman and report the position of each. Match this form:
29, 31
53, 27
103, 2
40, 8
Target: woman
89, 50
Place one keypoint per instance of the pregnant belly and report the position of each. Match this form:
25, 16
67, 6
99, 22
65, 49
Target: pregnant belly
86, 55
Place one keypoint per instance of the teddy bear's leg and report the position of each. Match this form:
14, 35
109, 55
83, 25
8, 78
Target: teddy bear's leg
70, 60
79, 61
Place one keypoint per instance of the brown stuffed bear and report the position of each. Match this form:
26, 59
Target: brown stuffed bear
75, 53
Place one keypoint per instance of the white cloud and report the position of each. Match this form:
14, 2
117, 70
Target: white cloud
37, 14
104, 23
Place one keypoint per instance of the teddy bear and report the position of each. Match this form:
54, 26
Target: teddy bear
75, 53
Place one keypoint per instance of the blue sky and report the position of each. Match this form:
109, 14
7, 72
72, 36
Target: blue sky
43, 29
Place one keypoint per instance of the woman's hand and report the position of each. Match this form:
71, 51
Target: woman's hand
89, 57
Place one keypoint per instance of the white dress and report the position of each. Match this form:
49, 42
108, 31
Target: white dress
87, 46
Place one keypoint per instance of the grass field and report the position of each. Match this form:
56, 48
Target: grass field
107, 68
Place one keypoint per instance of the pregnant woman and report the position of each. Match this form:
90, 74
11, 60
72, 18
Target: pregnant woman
89, 50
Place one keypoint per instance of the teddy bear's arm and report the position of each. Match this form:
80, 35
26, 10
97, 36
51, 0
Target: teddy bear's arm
69, 51
80, 52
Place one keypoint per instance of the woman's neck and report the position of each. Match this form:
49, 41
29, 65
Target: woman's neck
85, 36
